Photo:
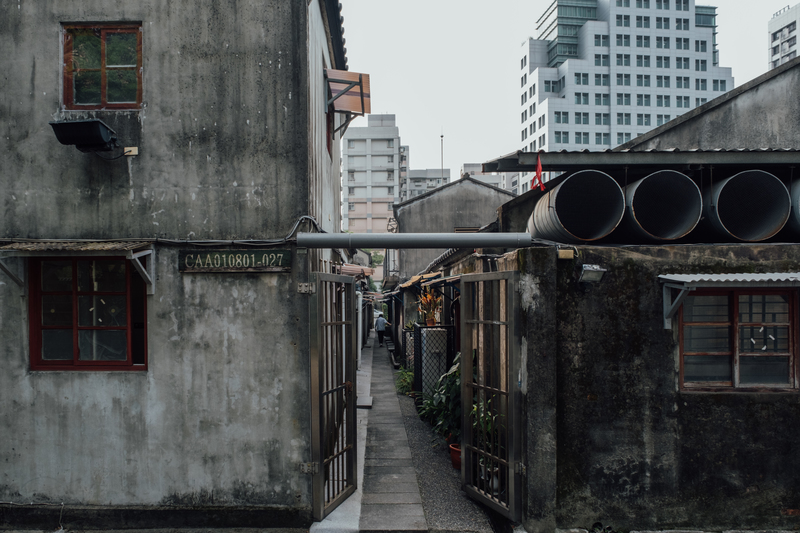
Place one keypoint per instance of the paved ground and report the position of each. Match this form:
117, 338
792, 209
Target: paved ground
407, 482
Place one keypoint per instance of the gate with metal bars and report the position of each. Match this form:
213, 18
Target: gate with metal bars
491, 471
333, 391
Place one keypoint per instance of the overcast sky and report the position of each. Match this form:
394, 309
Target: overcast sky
452, 67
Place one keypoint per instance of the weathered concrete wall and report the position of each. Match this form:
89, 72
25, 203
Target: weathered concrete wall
229, 145
764, 113
222, 132
463, 203
632, 450
221, 417
324, 165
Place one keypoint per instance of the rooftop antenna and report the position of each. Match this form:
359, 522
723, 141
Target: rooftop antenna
442, 150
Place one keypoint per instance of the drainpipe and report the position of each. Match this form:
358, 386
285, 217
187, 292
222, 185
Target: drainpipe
397, 241
360, 318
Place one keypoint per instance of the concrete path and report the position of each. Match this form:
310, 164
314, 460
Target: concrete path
391, 499
405, 480
388, 496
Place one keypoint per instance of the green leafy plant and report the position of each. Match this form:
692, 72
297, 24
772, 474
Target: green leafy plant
484, 421
410, 325
404, 381
443, 407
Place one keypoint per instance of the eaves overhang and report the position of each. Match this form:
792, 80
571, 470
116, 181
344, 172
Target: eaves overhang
686, 283
134, 251
566, 161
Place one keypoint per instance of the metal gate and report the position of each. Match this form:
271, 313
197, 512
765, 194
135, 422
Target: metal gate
333, 391
490, 394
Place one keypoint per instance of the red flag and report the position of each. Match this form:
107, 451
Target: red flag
538, 177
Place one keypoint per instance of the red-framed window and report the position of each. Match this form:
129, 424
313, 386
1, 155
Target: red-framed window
87, 313
739, 340
102, 66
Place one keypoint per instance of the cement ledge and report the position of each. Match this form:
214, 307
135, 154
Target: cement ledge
77, 517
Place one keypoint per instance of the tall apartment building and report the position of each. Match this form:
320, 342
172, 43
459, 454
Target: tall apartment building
783, 36
602, 72
424, 180
372, 162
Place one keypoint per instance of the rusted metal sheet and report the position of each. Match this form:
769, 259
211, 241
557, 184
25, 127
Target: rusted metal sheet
76, 246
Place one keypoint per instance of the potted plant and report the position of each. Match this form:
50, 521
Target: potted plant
443, 409
428, 306
486, 426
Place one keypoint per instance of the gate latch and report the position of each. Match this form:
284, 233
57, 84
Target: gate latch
521, 469
309, 468
306, 288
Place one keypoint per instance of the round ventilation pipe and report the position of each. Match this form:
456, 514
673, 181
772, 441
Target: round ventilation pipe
664, 205
586, 206
751, 206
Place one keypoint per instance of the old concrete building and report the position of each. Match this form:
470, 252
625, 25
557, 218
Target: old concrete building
463, 205
155, 348
649, 382
761, 114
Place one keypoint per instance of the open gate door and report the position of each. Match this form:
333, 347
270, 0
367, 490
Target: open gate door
490, 394
333, 391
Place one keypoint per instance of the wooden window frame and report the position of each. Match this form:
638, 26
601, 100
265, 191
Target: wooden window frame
734, 352
36, 327
69, 70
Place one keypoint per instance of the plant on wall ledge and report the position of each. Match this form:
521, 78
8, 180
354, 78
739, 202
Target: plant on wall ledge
428, 306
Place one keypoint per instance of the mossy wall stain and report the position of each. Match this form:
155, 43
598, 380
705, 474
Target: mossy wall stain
631, 449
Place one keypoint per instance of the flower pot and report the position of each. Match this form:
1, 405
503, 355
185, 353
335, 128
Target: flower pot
455, 455
430, 321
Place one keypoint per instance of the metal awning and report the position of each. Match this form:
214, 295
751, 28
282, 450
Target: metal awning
132, 250
348, 93
415, 280
349, 269
665, 159
450, 280
686, 283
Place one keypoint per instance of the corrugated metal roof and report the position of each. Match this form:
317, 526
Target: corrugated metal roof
76, 246
772, 279
564, 160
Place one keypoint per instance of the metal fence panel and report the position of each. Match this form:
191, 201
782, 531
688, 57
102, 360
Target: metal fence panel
434, 351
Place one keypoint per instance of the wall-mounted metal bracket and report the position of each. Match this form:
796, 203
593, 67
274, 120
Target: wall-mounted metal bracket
149, 273
306, 288
671, 306
309, 468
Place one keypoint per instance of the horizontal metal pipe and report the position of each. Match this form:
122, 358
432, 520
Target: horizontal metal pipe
664, 205
751, 206
586, 206
396, 241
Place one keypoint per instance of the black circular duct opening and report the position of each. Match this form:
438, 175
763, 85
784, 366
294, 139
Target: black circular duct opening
753, 205
590, 204
667, 204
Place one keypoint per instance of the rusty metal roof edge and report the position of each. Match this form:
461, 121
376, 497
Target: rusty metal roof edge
712, 280
74, 246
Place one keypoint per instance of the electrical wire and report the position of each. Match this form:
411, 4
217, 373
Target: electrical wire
180, 242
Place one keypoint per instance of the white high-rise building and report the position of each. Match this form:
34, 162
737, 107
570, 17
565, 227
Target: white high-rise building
601, 72
372, 160
783, 36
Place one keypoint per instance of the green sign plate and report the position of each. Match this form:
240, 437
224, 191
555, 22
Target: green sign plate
250, 260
